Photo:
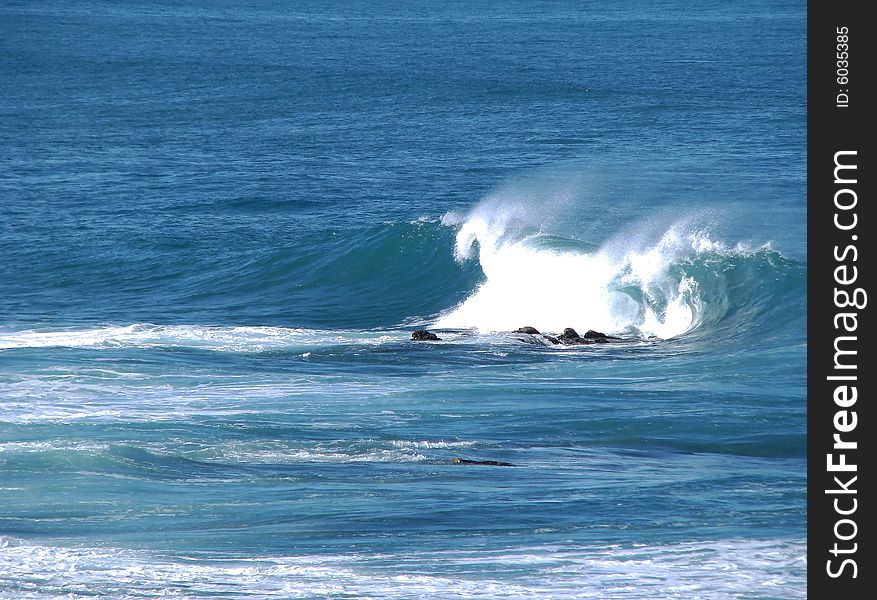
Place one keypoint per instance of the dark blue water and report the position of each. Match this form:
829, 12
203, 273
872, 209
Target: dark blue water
221, 221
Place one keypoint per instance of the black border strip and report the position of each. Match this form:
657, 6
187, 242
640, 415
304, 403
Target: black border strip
840, 557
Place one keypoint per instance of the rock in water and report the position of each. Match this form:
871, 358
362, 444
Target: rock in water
527, 329
571, 336
422, 335
600, 338
494, 463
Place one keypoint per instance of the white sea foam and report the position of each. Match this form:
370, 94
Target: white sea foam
626, 285
259, 451
53, 445
282, 452
46, 398
441, 444
226, 339
719, 570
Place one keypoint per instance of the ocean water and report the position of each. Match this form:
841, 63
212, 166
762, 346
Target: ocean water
221, 221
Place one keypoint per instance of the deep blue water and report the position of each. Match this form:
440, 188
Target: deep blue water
220, 222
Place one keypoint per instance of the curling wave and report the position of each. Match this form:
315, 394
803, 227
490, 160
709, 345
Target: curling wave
665, 285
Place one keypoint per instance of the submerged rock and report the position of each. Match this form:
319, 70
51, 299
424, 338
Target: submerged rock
422, 335
494, 463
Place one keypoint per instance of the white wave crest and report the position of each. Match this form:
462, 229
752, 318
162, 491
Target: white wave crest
223, 339
621, 287
439, 444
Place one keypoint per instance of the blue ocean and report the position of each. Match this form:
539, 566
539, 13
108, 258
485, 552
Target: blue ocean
221, 221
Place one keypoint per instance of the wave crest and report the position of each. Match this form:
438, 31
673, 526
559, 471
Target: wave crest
626, 285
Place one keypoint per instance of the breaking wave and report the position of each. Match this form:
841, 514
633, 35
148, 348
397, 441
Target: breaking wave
642, 281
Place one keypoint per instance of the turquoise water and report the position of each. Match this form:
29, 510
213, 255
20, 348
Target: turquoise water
220, 223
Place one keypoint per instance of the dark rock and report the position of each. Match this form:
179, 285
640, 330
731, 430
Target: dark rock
571, 337
494, 463
527, 329
598, 336
422, 335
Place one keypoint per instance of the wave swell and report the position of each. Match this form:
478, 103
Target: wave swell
665, 284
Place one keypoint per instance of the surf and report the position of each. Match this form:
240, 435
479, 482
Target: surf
653, 274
